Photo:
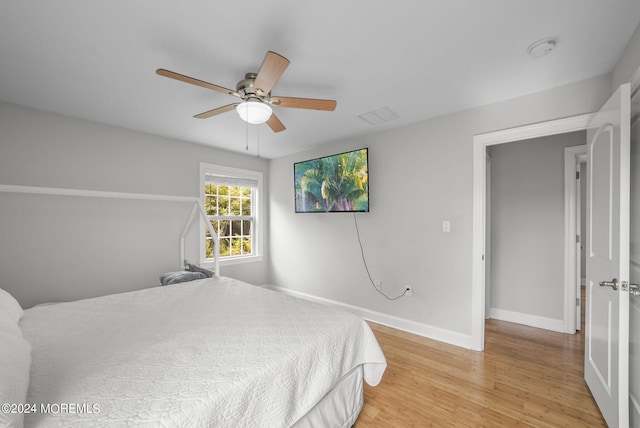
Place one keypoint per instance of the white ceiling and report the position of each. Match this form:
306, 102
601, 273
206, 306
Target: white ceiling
420, 58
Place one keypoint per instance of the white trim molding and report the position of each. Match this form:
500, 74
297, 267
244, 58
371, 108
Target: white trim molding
243, 177
528, 319
424, 330
535, 130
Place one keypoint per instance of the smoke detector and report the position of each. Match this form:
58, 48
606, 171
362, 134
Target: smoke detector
541, 47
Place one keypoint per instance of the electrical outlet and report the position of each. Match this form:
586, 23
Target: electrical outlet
409, 290
378, 285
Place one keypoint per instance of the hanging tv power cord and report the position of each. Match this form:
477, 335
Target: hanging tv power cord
364, 262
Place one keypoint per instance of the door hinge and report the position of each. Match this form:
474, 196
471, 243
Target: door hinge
577, 175
577, 301
577, 239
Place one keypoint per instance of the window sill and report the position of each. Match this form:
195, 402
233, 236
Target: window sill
232, 261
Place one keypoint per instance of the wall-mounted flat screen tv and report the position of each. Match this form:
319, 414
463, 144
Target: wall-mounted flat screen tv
337, 183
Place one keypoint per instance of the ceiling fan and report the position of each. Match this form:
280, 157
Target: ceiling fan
255, 92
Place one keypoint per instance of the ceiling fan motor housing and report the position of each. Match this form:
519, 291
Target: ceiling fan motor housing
247, 89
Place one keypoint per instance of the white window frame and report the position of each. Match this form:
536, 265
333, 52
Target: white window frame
257, 233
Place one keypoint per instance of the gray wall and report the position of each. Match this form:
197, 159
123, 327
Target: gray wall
628, 63
50, 250
420, 175
527, 223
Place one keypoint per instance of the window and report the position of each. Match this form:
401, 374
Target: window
230, 199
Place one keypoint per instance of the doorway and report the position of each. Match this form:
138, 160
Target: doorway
526, 247
480, 145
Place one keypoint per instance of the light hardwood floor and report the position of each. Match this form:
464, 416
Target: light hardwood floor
525, 377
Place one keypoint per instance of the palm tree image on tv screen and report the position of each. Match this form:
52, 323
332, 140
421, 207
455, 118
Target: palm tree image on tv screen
337, 183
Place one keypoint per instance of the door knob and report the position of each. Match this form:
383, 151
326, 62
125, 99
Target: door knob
613, 283
634, 289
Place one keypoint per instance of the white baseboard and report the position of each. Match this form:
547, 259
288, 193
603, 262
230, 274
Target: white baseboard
425, 330
527, 319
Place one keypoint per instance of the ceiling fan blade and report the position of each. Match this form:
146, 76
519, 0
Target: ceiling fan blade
275, 124
307, 103
216, 111
270, 71
193, 81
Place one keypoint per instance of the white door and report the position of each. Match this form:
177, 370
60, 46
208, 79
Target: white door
606, 368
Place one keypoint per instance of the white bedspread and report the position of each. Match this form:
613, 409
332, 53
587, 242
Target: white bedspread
214, 352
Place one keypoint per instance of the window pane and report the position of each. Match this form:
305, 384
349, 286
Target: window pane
223, 206
246, 245
210, 203
246, 206
236, 246
236, 228
225, 247
209, 248
246, 192
234, 191
214, 223
246, 227
223, 190
235, 206
224, 229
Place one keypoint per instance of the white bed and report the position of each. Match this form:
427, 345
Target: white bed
209, 353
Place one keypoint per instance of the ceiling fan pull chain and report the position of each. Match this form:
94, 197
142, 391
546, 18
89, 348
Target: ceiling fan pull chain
258, 147
246, 147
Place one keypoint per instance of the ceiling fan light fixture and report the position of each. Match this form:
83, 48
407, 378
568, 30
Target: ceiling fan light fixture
254, 112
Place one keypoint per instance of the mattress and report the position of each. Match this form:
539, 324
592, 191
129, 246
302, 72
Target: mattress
215, 352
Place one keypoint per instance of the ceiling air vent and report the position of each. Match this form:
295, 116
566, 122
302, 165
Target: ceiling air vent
381, 115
